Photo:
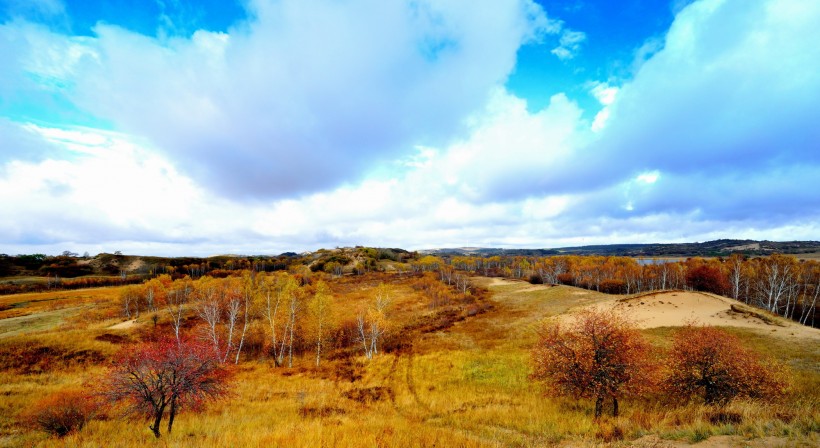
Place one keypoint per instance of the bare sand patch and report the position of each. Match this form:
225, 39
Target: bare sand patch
124, 325
134, 265
679, 308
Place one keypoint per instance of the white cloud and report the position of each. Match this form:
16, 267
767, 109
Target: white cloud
103, 187
304, 96
509, 151
735, 87
569, 45
649, 177
605, 94
713, 138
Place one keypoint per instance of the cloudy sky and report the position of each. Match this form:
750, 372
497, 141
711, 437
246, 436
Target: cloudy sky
183, 127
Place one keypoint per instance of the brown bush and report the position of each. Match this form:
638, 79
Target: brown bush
370, 394
707, 278
612, 286
609, 432
712, 364
319, 411
60, 413
566, 279
600, 356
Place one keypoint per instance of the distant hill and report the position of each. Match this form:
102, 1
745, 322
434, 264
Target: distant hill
489, 252
707, 249
68, 265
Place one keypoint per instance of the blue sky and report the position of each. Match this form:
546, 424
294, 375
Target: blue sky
261, 126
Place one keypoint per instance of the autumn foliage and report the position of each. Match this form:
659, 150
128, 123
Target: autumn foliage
60, 413
707, 278
599, 356
165, 378
711, 364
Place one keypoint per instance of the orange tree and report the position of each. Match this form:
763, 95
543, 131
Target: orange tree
599, 356
712, 364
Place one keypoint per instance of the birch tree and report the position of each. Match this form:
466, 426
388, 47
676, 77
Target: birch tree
175, 302
321, 311
372, 322
280, 310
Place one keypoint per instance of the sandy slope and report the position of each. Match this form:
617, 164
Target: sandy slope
677, 308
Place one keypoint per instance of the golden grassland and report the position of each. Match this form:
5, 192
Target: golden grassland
465, 386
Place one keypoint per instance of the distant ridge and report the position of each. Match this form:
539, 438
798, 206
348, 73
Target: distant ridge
707, 249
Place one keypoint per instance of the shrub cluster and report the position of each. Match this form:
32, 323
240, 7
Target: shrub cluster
60, 413
601, 356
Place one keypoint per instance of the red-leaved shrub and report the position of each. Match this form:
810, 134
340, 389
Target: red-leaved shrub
712, 364
60, 413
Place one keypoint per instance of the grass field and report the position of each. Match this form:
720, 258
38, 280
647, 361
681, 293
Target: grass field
466, 385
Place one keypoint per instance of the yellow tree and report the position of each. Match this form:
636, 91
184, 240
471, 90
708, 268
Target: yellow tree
372, 322
321, 310
281, 307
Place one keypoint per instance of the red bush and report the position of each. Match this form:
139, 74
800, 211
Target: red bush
707, 278
60, 413
712, 364
165, 377
566, 279
600, 356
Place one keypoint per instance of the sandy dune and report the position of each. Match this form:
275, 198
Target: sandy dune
677, 308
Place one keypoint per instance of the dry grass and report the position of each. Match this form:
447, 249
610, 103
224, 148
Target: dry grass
43, 312
466, 385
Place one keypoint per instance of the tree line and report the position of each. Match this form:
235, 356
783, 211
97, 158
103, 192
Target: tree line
778, 283
279, 315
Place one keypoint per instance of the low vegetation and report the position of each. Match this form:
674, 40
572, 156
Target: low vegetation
406, 352
712, 364
61, 412
601, 356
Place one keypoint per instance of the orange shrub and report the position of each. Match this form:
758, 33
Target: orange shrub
712, 364
60, 413
599, 356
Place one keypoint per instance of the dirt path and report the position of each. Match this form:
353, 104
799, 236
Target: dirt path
127, 325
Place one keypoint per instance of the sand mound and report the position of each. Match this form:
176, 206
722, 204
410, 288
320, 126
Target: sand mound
670, 309
678, 308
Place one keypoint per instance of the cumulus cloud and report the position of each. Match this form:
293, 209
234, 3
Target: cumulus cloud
510, 153
736, 88
302, 96
712, 138
605, 94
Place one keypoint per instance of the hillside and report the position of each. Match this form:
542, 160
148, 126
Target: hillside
452, 373
70, 265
